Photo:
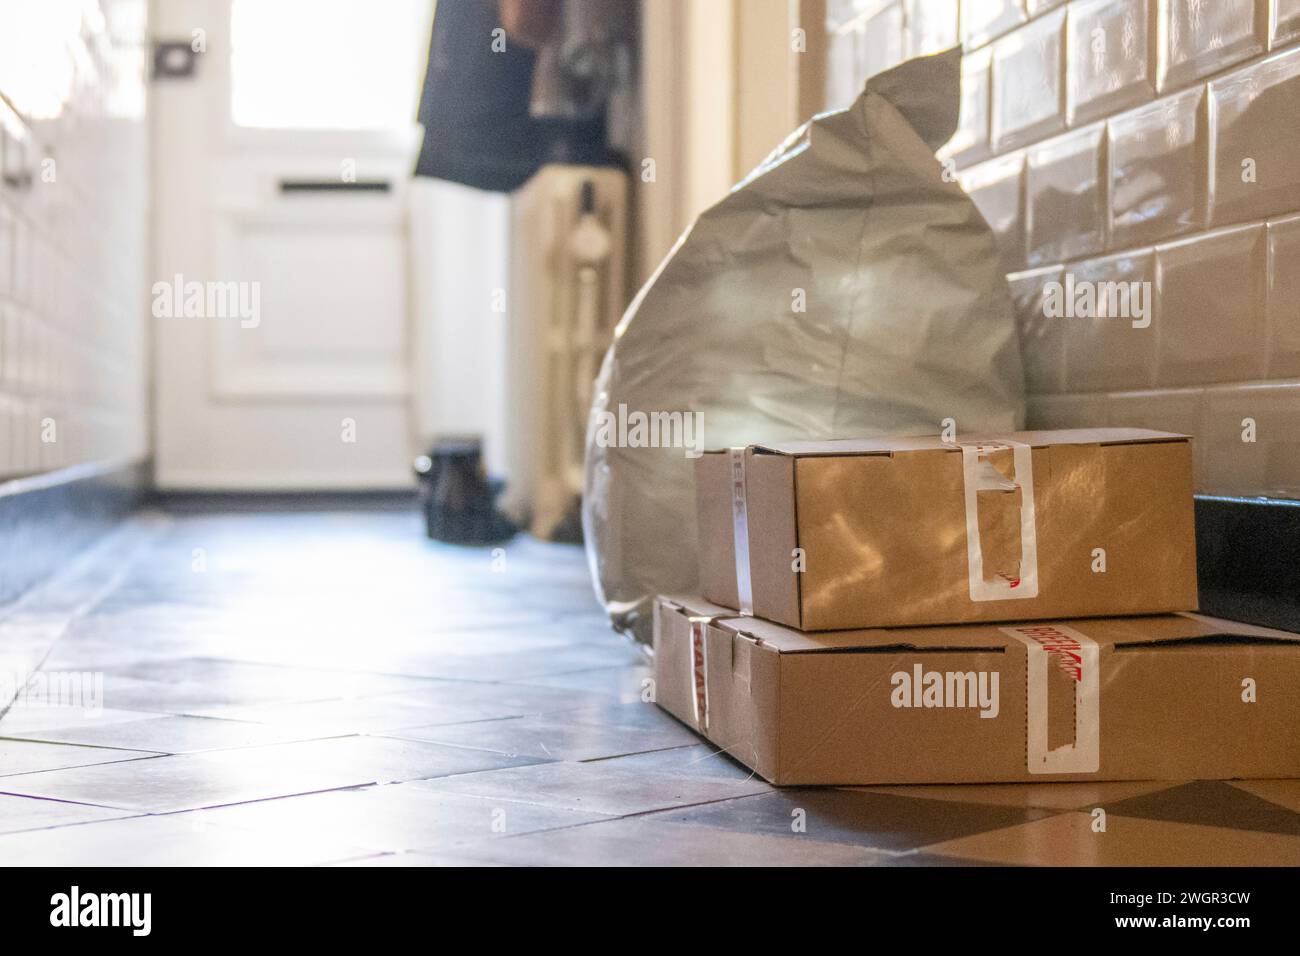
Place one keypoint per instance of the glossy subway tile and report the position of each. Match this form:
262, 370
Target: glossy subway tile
997, 189
1210, 293
1157, 167
1285, 22
1283, 297
1042, 338
1195, 38
931, 26
1250, 437
1177, 410
970, 143
880, 41
1108, 57
1256, 140
982, 20
1112, 344
842, 70
1065, 197
1028, 83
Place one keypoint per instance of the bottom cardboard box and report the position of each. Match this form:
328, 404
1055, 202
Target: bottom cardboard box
1163, 697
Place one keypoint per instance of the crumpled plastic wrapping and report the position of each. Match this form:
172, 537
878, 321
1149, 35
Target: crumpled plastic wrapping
845, 288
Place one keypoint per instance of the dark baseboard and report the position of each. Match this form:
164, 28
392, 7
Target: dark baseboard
45, 520
1248, 560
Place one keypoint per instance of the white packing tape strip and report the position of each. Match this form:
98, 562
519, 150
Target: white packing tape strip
740, 531
1055, 645
977, 475
699, 658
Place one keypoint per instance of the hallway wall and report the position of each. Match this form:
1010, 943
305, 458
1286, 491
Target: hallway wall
1148, 141
73, 214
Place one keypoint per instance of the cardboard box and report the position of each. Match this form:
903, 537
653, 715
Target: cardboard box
1167, 697
914, 531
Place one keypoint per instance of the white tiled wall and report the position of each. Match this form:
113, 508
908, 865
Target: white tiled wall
1135, 140
73, 219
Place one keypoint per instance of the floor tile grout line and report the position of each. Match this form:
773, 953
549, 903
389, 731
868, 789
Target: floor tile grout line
73, 743
126, 815
147, 534
607, 817
648, 814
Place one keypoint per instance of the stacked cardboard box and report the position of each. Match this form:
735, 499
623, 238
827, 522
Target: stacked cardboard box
913, 610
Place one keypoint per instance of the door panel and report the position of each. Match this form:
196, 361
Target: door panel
333, 292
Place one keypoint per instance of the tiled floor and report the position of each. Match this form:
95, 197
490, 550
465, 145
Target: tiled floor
329, 688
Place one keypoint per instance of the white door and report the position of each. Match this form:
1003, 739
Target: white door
280, 281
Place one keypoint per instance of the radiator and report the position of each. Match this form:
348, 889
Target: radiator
567, 289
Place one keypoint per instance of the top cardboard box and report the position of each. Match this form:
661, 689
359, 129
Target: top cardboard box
893, 532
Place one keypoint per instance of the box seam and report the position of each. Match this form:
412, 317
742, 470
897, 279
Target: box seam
794, 508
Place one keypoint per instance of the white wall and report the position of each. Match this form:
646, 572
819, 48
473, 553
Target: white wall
459, 262
722, 87
73, 304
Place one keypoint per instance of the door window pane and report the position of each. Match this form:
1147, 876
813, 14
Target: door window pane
327, 64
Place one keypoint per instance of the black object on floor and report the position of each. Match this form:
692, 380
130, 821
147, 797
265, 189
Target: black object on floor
568, 530
457, 497
1248, 560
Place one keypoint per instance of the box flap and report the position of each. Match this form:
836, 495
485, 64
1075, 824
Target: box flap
888, 445
1150, 632
1185, 629
691, 606
918, 640
786, 640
